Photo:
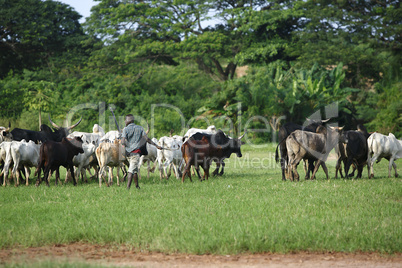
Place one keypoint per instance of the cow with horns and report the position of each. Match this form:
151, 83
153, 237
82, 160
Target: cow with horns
311, 146
45, 133
356, 149
54, 154
215, 148
284, 132
228, 144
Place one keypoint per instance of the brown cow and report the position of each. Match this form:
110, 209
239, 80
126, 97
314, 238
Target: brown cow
54, 154
196, 152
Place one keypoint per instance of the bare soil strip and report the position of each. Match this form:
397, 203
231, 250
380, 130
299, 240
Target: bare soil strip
125, 256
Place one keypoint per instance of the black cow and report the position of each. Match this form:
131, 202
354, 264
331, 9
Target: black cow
54, 154
227, 144
284, 132
356, 149
45, 133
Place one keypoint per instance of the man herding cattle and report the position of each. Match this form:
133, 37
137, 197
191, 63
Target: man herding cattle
134, 138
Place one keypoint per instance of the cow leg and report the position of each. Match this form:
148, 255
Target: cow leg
26, 175
324, 167
306, 170
218, 165
118, 175
197, 169
187, 171
283, 167
206, 169
223, 167
38, 172
391, 163
370, 163
57, 177
100, 175
73, 175
347, 166
359, 171
160, 169
67, 176
317, 165
353, 171
396, 172
309, 168
110, 179
176, 171
84, 177
16, 177
5, 172
125, 173
338, 167
46, 175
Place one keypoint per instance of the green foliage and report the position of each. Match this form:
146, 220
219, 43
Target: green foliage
38, 33
388, 119
270, 91
135, 54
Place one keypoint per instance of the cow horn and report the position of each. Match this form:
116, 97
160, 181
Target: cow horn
76, 124
147, 129
326, 120
9, 126
53, 124
243, 134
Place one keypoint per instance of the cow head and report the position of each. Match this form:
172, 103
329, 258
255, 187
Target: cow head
62, 132
5, 134
235, 145
77, 144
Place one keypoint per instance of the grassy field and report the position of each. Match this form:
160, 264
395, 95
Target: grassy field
249, 209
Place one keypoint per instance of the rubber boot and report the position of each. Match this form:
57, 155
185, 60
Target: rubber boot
136, 181
129, 180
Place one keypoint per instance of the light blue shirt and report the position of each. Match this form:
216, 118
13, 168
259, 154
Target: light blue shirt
133, 134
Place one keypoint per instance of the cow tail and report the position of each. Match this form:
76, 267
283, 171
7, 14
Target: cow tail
276, 151
40, 164
370, 148
277, 154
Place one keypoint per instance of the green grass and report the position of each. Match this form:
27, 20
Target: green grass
249, 209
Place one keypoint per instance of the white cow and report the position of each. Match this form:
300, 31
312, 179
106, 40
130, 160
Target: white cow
18, 154
150, 157
25, 155
210, 130
6, 158
170, 157
381, 146
110, 136
95, 136
82, 161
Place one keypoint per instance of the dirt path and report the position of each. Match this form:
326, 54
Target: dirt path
124, 256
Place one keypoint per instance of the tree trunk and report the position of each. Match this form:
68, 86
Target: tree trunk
40, 119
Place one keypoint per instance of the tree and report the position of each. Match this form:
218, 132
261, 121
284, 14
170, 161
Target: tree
39, 97
167, 31
33, 32
364, 35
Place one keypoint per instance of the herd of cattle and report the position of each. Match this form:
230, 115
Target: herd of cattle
78, 152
